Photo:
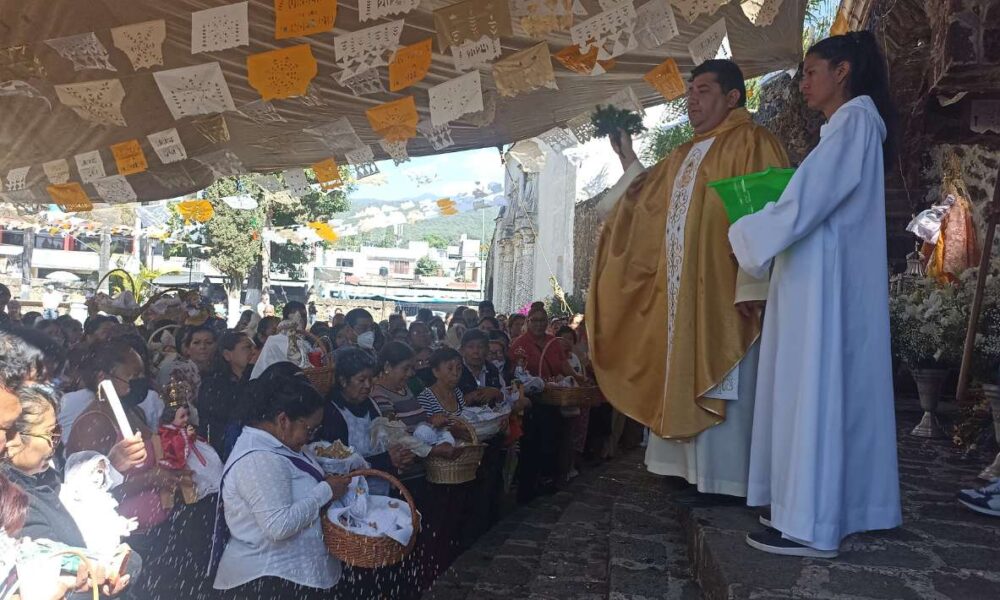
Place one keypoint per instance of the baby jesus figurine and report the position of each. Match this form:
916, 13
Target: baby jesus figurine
183, 450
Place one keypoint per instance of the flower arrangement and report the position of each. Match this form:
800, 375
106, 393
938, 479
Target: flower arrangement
929, 320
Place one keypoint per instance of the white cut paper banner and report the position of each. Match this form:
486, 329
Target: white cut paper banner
712, 43
16, 178
582, 127
261, 112
366, 49
456, 97
174, 177
985, 116
95, 101
364, 83
438, 137
558, 139
339, 136
90, 165
313, 97
269, 183
296, 182
220, 28
85, 51
376, 9
222, 163
471, 55
167, 145
612, 31
761, 12
627, 100
16, 87
396, 151
655, 24
141, 42
360, 156
196, 90
364, 170
690, 9
57, 171
115, 189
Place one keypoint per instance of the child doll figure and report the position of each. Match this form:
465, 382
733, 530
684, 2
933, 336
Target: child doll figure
86, 494
183, 449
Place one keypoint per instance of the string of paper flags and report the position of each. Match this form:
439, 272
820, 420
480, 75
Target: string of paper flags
470, 29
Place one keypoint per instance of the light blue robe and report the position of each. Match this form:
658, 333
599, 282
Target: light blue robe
823, 448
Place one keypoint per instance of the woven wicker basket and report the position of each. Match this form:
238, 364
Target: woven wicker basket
462, 468
321, 377
571, 396
364, 551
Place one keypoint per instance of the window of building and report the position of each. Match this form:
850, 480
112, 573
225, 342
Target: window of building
400, 267
345, 262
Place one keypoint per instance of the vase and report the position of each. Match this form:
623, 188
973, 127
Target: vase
992, 393
930, 388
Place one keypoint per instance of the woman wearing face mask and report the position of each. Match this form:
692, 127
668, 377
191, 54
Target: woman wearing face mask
30, 469
350, 411
168, 533
222, 389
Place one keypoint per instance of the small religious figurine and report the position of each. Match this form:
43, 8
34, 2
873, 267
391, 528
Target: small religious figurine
183, 449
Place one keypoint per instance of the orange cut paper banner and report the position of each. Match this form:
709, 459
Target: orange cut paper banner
195, 210
584, 64
410, 65
70, 197
282, 73
394, 121
298, 18
666, 79
840, 24
328, 174
129, 157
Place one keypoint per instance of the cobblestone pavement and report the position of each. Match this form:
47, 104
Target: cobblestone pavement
613, 535
610, 534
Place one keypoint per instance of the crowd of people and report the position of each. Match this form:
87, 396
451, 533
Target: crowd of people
209, 484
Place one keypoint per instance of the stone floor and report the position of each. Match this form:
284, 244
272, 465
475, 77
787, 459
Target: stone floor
613, 534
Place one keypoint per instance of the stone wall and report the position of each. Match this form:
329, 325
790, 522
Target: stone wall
784, 113
586, 233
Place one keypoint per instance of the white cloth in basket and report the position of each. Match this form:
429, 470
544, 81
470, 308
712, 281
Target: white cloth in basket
208, 476
373, 516
433, 437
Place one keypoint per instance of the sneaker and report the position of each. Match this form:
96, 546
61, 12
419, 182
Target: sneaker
764, 516
772, 542
985, 500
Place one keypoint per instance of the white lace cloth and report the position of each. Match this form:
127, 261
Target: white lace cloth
373, 516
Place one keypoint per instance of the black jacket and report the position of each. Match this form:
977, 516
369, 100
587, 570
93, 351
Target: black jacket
47, 517
218, 402
468, 382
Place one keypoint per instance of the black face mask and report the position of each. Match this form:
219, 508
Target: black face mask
138, 389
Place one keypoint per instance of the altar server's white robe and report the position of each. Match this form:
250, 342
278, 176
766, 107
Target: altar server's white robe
823, 450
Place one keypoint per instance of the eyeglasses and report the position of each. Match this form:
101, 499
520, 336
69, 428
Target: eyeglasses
9, 434
53, 438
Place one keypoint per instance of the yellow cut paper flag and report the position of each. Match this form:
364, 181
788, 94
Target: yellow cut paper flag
584, 64
298, 18
324, 231
394, 121
410, 65
840, 25
129, 157
328, 174
195, 210
70, 197
282, 73
666, 79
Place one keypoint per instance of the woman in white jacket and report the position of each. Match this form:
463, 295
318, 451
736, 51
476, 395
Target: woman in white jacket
273, 494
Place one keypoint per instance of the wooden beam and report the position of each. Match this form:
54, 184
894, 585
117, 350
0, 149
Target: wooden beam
977, 299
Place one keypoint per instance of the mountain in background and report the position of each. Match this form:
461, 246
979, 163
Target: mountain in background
450, 228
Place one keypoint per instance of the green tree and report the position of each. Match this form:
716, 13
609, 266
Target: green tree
427, 266
436, 241
664, 139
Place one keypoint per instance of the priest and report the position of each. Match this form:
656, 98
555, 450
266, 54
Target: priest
673, 322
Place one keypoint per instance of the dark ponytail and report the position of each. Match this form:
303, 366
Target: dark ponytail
868, 77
